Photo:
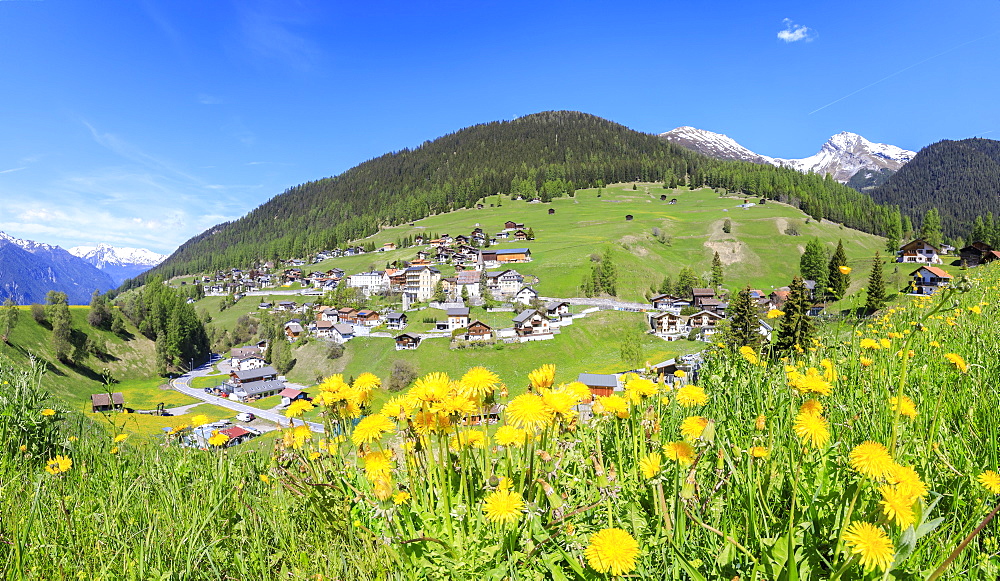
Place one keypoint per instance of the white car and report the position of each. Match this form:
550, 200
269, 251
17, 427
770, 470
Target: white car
245, 417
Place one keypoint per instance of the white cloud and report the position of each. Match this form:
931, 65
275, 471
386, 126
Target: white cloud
206, 99
12, 170
795, 32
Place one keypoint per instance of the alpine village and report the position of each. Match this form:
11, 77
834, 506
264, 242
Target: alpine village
547, 347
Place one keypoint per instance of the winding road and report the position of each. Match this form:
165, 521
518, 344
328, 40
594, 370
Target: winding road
183, 385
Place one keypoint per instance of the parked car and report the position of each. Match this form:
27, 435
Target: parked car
245, 417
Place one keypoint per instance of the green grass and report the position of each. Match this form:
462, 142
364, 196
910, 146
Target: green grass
265, 403
149, 425
145, 394
208, 381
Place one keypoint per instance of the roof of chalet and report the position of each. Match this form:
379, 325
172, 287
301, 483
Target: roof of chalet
480, 323
529, 289
525, 315
103, 399
407, 336
933, 270
344, 329
702, 292
395, 316
290, 392
918, 243
253, 373
598, 380
234, 432
553, 305
458, 312
255, 387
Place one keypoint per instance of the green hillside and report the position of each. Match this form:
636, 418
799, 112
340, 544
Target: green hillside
547, 155
757, 251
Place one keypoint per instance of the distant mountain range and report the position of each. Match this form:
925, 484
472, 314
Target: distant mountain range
29, 270
120, 263
843, 155
960, 178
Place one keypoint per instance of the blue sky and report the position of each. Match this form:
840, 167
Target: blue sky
144, 123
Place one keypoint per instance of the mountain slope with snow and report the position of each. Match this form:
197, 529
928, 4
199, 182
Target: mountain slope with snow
120, 263
842, 156
29, 270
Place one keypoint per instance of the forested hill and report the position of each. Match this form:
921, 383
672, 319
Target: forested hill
546, 154
960, 178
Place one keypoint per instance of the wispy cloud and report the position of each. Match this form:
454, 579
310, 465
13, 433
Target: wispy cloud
796, 32
13, 169
206, 99
268, 31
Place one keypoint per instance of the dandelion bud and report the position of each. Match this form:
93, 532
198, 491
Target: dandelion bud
708, 434
760, 423
494, 481
545, 456
555, 501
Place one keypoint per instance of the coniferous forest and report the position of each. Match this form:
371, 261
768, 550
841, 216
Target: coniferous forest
543, 155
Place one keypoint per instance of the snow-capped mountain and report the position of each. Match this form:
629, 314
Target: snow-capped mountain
29, 269
843, 155
119, 262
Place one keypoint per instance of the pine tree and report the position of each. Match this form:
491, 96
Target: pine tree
9, 314
893, 233
686, 281
530, 234
743, 328
716, 271
796, 329
813, 264
609, 274
838, 279
876, 287
930, 229
667, 286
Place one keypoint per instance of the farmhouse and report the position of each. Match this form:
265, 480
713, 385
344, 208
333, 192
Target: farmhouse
342, 333
368, 318
107, 402
526, 296
495, 258
557, 309
977, 253
701, 294
504, 282
665, 302
600, 384
407, 341
531, 323
705, 320
293, 330
395, 321
918, 251
669, 324
479, 331
928, 279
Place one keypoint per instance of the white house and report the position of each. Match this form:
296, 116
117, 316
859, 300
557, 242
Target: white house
526, 296
928, 279
918, 251
458, 318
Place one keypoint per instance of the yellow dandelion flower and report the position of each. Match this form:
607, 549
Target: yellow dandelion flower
578, 390
934, 344
680, 373
371, 428
503, 506
383, 488
612, 404
48, 412
897, 505
400, 497
265, 478
749, 354
217, 439
561, 401
430, 422
120, 438
871, 543
870, 344
866, 361
365, 384
429, 389
957, 361
872, 459
691, 395
298, 407
377, 465
885, 343
775, 313
296, 437
809, 382
812, 429
637, 389
612, 551
199, 420
680, 452
72, 439
467, 439
976, 309
991, 480
811, 406
543, 376
759, 452
760, 423
58, 465
844, 269
906, 479
903, 406
650, 465
529, 411
509, 436
479, 382
395, 407
113, 450
456, 404
693, 426
23, 447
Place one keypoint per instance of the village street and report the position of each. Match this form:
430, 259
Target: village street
183, 385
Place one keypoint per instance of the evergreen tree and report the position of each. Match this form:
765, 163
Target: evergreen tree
465, 294
686, 281
9, 313
666, 286
907, 228
743, 328
796, 329
57, 314
838, 279
876, 287
716, 271
630, 349
438, 293
813, 264
609, 274
930, 229
530, 234
893, 233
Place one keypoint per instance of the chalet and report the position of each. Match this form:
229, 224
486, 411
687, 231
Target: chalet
504, 282
265, 306
237, 435
293, 330
288, 395
479, 331
531, 322
395, 321
715, 305
705, 320
107, 402
347, 315
237, 353
368, 318
494, 258
557, 309
323, 329
511, 225
288, 306
526, 296
665, 370
461, 239
458, 318
778, 297
239, 377
388, 246
600, 384
251, 362
974, 254
668, 324
520, 236
669, 303
918, 251
701, 294
342, 333
407, 341
329, 315
928, 279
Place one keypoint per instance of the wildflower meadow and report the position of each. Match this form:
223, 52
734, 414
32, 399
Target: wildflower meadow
871, 453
